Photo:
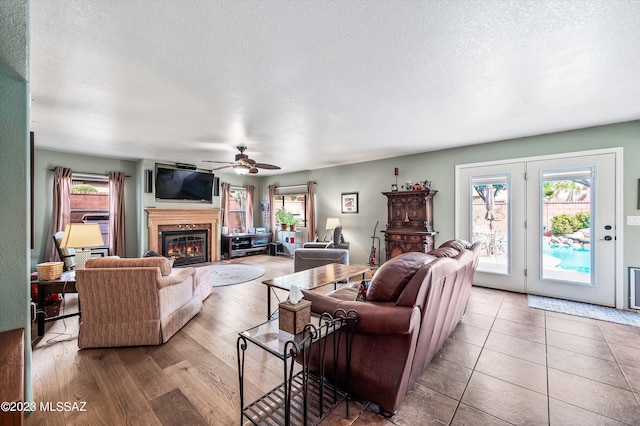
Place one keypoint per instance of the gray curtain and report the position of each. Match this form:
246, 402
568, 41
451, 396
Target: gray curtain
224, 203
250, 191
272, 213
60, 211
116, 214
311, 210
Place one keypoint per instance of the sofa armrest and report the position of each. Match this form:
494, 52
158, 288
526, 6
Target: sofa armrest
177, 276
320, 303
375, 318
381, 318
317, 244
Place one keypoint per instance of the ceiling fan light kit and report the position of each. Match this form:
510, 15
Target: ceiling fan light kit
244, 164
241, 169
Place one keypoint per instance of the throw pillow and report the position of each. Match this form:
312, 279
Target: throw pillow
391, 278
362, 292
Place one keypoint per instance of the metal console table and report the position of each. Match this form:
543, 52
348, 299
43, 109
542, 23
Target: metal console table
302, 398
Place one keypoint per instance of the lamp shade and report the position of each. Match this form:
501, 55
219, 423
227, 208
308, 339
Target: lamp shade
332, 223
241, 169
82, 235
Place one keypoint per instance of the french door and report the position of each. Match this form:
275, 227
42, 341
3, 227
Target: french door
547, 226
492, 211
571, 228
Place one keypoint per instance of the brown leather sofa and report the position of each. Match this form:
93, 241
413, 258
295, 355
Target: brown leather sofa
413, 303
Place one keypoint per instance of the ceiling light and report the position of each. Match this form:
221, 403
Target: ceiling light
241, 169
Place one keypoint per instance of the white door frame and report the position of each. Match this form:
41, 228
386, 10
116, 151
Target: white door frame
619, 153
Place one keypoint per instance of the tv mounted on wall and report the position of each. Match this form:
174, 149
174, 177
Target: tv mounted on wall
173, 183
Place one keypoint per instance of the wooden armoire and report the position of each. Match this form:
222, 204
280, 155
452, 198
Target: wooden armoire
410, 222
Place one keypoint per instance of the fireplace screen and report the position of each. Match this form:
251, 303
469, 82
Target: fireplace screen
186, 246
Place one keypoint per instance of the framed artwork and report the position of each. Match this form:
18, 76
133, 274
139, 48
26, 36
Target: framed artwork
349, 202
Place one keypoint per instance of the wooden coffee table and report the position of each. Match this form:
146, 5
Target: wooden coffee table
314, 278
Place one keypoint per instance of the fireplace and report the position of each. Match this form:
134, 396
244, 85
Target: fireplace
166, 220
186, 246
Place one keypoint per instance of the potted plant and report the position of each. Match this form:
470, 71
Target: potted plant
282, 216
286, 219
292, 222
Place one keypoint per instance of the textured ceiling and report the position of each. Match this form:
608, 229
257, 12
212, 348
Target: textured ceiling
312, 84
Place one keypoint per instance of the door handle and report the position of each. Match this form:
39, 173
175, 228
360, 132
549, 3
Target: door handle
607, 238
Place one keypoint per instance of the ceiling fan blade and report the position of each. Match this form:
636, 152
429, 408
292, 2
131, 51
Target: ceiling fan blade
224, 167
220, 162
266, 166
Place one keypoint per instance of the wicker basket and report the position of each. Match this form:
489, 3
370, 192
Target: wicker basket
49, 270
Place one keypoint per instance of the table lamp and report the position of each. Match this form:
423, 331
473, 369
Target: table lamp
332, 223
81, 237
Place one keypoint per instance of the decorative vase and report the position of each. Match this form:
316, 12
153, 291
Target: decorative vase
283, 226
292, 227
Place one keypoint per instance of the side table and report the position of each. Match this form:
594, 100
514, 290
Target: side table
65, 284
303, 397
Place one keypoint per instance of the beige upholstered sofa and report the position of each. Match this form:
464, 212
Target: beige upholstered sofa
141, 301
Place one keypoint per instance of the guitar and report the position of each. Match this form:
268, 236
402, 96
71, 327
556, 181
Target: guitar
372, 254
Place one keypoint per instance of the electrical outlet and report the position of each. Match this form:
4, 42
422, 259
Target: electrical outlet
633, 220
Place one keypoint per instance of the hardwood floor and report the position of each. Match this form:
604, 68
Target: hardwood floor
504, 364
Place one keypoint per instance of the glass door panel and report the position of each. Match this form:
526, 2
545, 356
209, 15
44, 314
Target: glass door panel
565, 237
492, 201
571, 228
490, 219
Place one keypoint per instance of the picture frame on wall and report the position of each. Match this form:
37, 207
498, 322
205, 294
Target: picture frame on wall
349, 202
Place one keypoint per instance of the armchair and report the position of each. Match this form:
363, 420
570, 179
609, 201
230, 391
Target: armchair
131, 302
336, 242
67, 255
307, 258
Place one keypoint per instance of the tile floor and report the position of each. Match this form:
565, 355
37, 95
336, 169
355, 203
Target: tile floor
507, 363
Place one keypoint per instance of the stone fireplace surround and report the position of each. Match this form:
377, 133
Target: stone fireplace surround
159, 220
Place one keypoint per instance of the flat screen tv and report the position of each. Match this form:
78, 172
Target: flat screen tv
183, 184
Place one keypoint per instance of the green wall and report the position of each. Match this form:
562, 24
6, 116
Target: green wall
45, 161
370, 179
14, 173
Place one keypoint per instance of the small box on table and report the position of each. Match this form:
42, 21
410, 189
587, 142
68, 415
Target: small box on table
293, 318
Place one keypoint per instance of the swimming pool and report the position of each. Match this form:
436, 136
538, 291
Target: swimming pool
571, 259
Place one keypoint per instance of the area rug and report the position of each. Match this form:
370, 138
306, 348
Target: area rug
233, 274
584, 310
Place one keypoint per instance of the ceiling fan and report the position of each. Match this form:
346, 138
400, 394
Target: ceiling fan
243, 163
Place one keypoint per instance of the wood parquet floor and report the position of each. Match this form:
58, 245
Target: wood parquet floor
505, 364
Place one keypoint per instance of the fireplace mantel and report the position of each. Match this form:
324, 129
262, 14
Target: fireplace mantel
167, 217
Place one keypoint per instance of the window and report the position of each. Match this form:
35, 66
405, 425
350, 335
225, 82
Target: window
90, 201
295, 204
238, 209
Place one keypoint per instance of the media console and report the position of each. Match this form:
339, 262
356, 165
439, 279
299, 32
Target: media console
243, 244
